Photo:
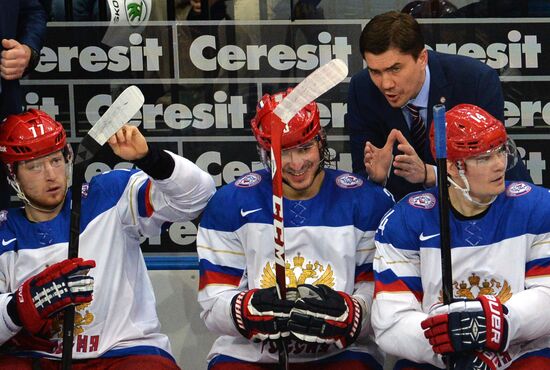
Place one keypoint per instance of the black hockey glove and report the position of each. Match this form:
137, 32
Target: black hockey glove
259, 314
482, 360
60, 285
468, 325
323, 315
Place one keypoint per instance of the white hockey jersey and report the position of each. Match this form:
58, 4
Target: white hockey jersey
118, 208
505, 252
329, 240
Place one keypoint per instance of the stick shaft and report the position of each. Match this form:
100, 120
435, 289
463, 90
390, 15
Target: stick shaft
278, 225
444, 208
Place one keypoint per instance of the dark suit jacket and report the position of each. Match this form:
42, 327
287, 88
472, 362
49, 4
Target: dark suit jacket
456, 78
24, 21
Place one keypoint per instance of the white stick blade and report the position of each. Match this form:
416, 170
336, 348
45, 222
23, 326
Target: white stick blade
120, 112
316, 84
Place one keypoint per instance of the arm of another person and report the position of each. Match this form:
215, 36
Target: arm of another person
360, 126
222, 265
528, 314
397, 307
170, 188
32, 24
372, 208
21, 55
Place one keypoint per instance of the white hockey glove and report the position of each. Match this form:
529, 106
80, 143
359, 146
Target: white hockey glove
468, 325
259, 314
324, 315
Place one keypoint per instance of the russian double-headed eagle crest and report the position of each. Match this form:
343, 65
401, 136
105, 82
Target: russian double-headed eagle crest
475, 287
299, 272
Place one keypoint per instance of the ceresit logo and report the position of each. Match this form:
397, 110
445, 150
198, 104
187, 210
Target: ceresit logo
142, 55
525, 113
520, 52
280, 56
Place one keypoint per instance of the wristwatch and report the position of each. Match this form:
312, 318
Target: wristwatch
33, 61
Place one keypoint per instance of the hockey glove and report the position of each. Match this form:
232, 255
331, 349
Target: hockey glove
323, 315
60, 285
482, 360
468, 325
259, 314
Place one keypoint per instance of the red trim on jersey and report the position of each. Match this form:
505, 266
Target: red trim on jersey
397, 286
218, 278
148, 206
365, 276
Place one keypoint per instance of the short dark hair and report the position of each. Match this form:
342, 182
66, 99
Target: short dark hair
392, 30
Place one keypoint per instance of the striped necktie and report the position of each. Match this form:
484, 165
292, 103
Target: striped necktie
418, 129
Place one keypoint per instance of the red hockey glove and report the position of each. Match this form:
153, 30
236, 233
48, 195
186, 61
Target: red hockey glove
323, 315
60, 285
259, 314
482, 360
468, 325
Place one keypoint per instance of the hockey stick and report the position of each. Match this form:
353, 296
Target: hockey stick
444, 207
317, 83
120, 112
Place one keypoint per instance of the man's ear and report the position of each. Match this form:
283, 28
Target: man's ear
452, 169
423, 57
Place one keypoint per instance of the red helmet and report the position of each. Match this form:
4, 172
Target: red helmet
303, 127
470, 131
30, 135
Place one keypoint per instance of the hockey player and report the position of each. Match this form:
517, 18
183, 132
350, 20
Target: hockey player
116, 326
500, 239
329, 217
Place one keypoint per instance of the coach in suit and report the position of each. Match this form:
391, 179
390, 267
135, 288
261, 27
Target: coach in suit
390, 102
22, 32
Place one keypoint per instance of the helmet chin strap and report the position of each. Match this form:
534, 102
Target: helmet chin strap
466, 190
21, 195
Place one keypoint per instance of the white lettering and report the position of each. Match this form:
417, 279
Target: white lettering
515, 54
137, 57
280, 57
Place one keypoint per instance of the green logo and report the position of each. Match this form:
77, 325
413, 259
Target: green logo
136, 11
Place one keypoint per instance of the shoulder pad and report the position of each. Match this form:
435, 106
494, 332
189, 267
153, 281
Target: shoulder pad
422, 200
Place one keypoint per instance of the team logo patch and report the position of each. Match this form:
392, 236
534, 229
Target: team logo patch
3, 216
348, 181
424, 200
248, 180
517, 189
85, 189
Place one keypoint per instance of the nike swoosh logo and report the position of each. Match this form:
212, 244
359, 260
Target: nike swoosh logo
246, 213
427, 237
6, 242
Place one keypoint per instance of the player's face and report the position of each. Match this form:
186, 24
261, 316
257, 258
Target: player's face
300, 166
485, 173
43, 180
397, 75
